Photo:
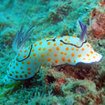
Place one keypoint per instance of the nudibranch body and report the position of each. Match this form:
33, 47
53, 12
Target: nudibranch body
55, 51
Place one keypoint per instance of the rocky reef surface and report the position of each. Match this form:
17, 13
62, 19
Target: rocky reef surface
64, 85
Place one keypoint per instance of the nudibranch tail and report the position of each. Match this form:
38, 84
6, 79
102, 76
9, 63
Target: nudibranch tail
84, 30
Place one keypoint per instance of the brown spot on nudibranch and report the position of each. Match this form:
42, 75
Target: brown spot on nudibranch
72, 54
67, 48
74, 61
29, 72
29, 69
65, 39
72, 48
88, 55
55, 54
58, 37
40, 42
25, 50
19, 54
63, 58
25, 56
61, 44
65, 53
49, 59
35, 45
44, 48
39, 48
30, 57
56, 61
77, 49
74, 36
49, 43
68, 41
79, 55
83, 49
48, 53
88, 45
69, 60
91, 52
21, 68
28, 62
57, 48
54, 44
49, 50
33, 50
94, 57
22, 62
34, 54
42, 55
62, 52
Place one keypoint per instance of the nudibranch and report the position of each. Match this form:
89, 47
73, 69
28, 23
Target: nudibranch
51, 51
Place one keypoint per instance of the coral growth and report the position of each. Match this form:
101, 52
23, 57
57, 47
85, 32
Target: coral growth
98, 23
60, 13
79, 80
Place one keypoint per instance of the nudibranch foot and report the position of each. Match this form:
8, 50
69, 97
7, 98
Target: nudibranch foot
6, 80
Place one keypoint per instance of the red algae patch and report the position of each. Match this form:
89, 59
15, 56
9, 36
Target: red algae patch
98, 23
82, 76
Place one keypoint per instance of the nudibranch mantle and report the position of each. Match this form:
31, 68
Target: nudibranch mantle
55, 51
